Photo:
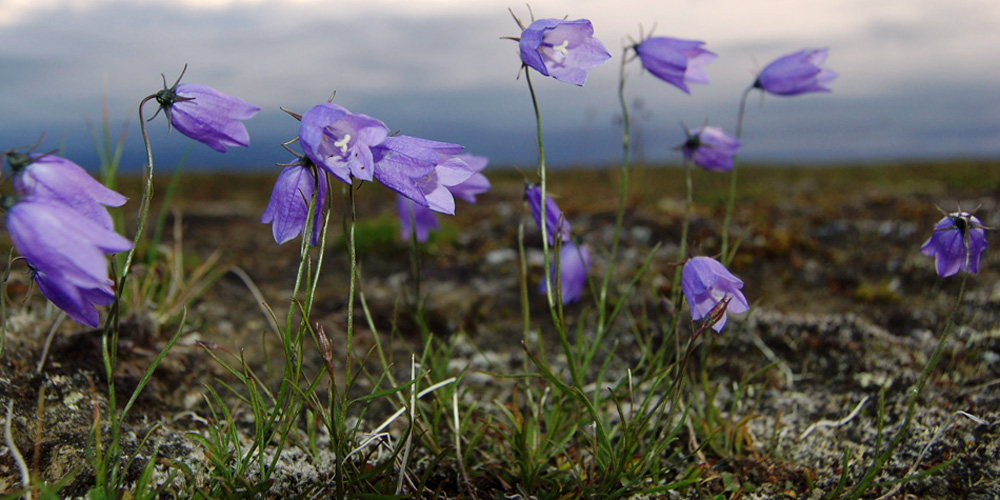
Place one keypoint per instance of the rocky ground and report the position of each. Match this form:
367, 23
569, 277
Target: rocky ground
846, 308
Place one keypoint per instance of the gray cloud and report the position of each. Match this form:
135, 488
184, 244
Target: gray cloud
913, 81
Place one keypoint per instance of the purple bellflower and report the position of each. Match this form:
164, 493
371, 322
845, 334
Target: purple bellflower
77, 302
66, 250
706, 284
677, 62
414, 217
206, 115
555, 223
288, 209
58, 179
421, 170
476, 184
574, 262
795, 74
423, 217
710, 148
562, 49
437, 185
340, 141
957, 244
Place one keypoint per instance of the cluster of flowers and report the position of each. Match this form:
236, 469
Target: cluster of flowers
427, 174
58, 222
565, 50
57, 218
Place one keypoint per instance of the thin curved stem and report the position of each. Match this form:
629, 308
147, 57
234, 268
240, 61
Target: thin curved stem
554, 309
682, 247
109, 337
911, 404
622, 196
353, 252
726, 257
544, 191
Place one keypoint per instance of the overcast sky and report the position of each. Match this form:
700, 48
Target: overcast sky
918, 78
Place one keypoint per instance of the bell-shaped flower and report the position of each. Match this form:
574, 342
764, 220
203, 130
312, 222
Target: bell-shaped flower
288, 209
957, 244
60, 241
574, 262
207, 115
436, 186
77, 302
59, 179
796, 74
707, 285
710, 148
562, 49
414, 217
476, 184
677, 62
421, 170
340, 141
65, 248
555, 223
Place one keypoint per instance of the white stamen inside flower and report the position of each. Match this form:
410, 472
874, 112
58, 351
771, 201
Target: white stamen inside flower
342, 144
561, 47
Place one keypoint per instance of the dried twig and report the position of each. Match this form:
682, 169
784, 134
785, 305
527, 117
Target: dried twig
15, 453
834, 423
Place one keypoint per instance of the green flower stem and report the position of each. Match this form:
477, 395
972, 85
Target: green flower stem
542, 186
307, 233
296, 362
556, 311
726, 257
677, 298
109, 337
911, 404
418, 299
682, 248
523, 271
353, 253
622, 195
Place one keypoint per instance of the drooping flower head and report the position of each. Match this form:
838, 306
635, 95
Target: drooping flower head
79, 303
54, 178
957, 244
206, 115
421, 170
796, 74
416, 217
574, 262
710, 148
562, 49
555, 223
706, 283
677, 62
65, 249
288, 209
340, 141
476, 184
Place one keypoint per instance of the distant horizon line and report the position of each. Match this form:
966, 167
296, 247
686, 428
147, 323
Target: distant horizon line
512, 167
